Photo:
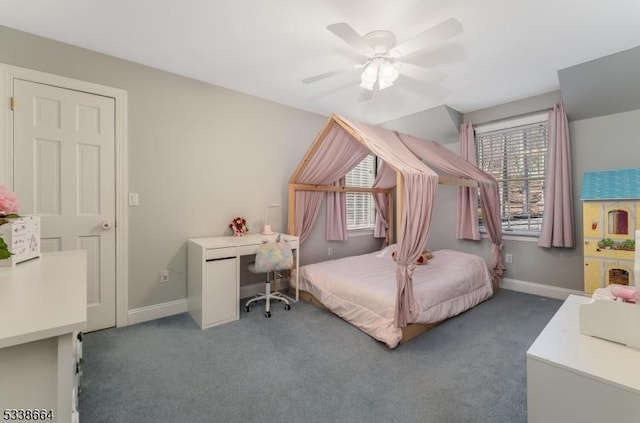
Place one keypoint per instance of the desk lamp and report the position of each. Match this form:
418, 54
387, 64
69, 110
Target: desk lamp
266, 230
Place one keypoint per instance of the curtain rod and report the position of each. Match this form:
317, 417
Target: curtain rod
489, 122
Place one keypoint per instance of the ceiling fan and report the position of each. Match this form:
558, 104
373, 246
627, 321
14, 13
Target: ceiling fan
382, 66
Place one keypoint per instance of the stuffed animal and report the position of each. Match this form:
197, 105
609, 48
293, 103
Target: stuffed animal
624, 294
423, 258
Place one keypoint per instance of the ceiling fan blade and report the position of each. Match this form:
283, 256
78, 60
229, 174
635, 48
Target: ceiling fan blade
444, 30
350, 36
430, 75
330, 74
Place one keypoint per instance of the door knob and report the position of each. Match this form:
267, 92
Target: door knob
106, 225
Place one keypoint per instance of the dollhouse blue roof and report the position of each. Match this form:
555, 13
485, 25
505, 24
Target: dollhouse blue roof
623, 184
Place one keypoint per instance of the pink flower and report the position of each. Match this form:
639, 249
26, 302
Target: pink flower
8, 202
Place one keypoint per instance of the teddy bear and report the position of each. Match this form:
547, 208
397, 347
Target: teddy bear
423, 258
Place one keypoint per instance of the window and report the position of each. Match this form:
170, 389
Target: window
360, 205
618, 222
514, 153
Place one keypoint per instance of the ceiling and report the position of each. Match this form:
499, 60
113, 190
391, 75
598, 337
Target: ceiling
508, 50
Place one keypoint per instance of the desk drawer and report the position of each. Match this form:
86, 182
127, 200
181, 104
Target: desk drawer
246, 250
216, 253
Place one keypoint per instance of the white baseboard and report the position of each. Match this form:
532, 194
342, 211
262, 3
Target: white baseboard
549, 291
157, 311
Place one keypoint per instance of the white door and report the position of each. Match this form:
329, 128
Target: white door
64, 171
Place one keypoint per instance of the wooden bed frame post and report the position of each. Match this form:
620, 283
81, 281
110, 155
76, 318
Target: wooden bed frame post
391, 218
399, 204
291, 214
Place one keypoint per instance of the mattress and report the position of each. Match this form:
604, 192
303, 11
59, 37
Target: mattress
362, 289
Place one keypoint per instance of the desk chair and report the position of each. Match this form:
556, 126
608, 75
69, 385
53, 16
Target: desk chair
271, 258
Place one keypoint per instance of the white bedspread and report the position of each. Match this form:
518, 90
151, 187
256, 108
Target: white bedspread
361, 289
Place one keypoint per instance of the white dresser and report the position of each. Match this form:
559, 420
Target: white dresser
578, 378
213, 286
43, 306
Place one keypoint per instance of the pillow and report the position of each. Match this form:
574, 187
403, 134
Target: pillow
423, 258
388, 250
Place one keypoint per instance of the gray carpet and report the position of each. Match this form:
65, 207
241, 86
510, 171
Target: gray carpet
306, 365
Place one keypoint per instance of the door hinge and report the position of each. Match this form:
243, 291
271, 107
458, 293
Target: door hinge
12, 103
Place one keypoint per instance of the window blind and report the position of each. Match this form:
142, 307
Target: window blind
360, 205
516, 158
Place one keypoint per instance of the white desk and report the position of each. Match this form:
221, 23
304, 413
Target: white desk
42, 303
213, 275
578, 378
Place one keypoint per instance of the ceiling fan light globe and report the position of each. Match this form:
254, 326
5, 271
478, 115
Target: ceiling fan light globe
370, 73
369, 76
387, 75
382, 84
367, 85
388, 72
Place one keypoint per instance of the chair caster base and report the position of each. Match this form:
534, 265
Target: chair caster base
267, 314
287, 306
247, 308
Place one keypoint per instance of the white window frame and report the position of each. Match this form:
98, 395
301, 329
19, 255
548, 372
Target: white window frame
516, 225
362, 219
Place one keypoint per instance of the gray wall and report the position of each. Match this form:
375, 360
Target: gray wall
198, 156
439, 124
603, 86
315, 248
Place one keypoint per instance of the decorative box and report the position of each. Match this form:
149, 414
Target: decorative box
22, 236
611, 320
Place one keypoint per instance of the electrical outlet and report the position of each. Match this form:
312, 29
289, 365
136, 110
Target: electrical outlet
329, 251
508, 258
164, 275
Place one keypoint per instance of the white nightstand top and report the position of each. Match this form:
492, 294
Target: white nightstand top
43, 297
561, 344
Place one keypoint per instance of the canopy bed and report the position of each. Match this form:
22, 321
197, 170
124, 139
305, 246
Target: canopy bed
406, 172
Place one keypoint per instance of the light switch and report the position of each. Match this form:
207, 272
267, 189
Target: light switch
133, 199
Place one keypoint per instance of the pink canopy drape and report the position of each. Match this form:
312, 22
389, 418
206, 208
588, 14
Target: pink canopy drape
441, 158
420, 185
307, 211
557, 222
385, 178
337, 154
336, 227
467, 209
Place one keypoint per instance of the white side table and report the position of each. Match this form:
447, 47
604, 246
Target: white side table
578, 378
